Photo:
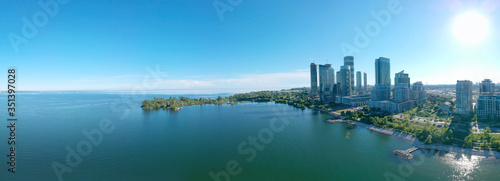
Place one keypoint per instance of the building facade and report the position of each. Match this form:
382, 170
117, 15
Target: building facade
354, 101
381, 92
390, 106
488, 105
401, 93
464, 97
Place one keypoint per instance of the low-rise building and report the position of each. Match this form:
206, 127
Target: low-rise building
390, 106
488, 105
418, 93
445, 107
354, 101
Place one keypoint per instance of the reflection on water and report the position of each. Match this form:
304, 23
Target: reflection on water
462, 165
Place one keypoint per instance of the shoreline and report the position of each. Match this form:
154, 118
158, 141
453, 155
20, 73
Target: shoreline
448, 148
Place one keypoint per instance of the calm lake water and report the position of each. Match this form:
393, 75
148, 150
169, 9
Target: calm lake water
293, 144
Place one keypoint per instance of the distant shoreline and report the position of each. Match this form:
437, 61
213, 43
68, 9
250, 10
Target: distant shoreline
448, 148
19, 91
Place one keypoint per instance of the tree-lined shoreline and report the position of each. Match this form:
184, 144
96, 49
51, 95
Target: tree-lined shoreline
449, 134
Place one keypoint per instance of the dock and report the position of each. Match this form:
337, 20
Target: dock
412, 149
405, 154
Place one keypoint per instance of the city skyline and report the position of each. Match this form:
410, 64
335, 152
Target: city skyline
85, 53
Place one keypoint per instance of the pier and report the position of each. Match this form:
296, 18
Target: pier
405, 154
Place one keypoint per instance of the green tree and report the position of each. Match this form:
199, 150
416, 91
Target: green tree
486, 134
469, 141
428, 140
485, 145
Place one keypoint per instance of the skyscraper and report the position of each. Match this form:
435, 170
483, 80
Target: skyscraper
331, 76
365, 79
345, 77
487, 86
358, 82
404, 97
402, 78
349, 61
464, 97
325, 82
314, 80
383, 71
382, 89
338, 77
331, 84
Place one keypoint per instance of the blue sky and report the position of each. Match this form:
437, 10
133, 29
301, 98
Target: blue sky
111, 44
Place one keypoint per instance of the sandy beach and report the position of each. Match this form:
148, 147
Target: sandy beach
421, 145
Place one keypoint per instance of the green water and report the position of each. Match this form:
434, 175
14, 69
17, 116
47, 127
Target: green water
197, 140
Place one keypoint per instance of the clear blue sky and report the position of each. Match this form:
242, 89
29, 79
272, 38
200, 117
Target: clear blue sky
107, 44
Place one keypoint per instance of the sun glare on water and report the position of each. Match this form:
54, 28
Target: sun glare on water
471, 28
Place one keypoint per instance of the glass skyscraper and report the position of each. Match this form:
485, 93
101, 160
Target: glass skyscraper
346, 79
349, 61
383, 71
314, 80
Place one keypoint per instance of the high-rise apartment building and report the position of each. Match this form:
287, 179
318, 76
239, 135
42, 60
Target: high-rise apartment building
324, 82
345, 84
338, 77
404, 98
349, 61
327, 83
314, 80
331, 76
464, 97
358, 82
365, 79
331, 84
382, 89
383, 71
